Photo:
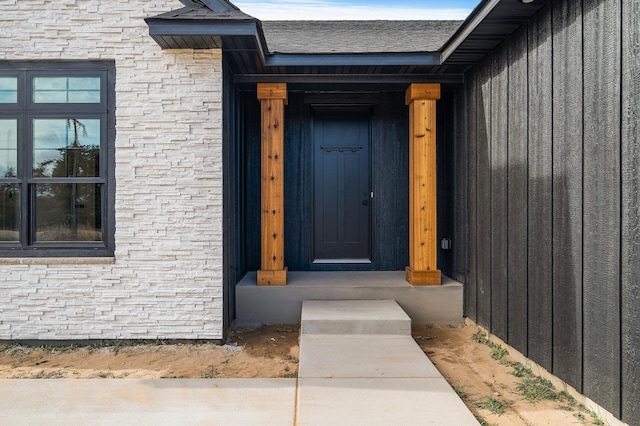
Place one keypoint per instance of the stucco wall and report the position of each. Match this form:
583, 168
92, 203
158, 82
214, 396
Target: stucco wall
166, 279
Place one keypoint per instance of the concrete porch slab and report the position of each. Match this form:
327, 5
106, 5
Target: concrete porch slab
283, 305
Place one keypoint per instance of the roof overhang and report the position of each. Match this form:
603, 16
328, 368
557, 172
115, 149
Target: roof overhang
248, 36
487, 26
218, 24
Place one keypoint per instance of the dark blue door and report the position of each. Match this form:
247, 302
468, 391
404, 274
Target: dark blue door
341, 189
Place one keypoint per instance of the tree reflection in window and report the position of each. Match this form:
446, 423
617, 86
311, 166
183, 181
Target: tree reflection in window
66, 147
67, 211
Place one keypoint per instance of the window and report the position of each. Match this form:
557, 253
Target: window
57, 131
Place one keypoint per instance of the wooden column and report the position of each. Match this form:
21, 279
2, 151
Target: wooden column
273, 98
422, 269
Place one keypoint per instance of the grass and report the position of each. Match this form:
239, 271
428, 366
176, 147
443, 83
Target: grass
531, 387
491, 404
520, 370
536, 389
460, 391
497, 351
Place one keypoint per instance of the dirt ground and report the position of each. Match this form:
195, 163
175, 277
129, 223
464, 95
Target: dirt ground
481, 373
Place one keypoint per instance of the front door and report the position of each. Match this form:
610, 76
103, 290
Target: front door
341, 189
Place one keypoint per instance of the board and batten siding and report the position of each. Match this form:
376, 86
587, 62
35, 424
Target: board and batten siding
553, 196
165, 280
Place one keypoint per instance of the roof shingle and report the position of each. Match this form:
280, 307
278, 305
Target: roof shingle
317, 37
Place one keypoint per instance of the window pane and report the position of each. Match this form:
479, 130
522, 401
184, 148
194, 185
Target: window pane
8, 148
8, 90
68, 212
9, 212
66, 89
66, 147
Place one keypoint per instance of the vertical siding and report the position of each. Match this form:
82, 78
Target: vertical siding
460, 177
232, 209
631, 211
540, 191
567, 193
499, 205
563, 125
483, 207
517, 192
471, 282
602, 202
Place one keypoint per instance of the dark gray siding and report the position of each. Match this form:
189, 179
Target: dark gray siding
567, 192
630, 211
601, 212
233, 264
552, 161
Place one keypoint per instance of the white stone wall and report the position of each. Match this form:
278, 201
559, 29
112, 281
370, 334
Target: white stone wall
166, 279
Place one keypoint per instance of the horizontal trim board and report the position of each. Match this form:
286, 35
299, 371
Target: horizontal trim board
350, 78
366, 59
205, 28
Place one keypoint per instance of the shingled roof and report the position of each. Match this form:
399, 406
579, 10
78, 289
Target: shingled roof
317, 37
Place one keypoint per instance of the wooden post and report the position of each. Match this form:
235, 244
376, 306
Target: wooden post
273, 98
423, 268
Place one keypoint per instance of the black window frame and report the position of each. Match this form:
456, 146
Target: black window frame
25, 110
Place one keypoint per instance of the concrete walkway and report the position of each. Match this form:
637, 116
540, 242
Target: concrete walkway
358, 366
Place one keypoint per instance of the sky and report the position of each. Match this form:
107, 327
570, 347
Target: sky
356, 9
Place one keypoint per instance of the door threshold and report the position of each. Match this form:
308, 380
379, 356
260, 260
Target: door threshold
341, 261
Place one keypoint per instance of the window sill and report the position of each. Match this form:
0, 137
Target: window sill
57, 260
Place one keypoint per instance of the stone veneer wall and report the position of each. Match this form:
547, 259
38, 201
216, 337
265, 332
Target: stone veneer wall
166, 278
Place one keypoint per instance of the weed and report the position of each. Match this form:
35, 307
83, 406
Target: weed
493, 405
42, 374
566, 396
565, 408
106, 375
498, 352
595, 419
579, 416
536, 389
208, 374
460, 391
520, 370
480, 337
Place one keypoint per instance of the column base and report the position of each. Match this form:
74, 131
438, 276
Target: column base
423, 277
274, 278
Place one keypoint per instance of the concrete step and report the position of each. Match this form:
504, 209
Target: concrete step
354, 317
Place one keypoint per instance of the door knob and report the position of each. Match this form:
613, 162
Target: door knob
365, 202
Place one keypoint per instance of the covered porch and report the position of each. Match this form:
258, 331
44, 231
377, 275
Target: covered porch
308, 212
